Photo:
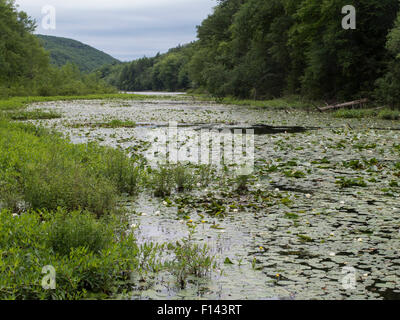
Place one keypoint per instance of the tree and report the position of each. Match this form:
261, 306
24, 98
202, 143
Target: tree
22, 59
338, 63
388, 87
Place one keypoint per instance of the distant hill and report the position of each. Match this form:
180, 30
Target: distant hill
63, 50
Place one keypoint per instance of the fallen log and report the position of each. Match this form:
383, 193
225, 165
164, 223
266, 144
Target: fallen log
352, 104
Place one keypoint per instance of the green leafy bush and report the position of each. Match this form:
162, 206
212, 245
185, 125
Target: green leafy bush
168, 178
87, 264
78, 229
42, 171
190, 260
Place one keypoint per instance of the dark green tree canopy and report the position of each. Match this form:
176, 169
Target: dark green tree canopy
268, 48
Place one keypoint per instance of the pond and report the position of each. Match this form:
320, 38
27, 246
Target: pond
319, 219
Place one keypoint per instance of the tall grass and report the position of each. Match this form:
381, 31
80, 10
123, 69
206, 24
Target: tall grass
90, 258
39, 170
278, 103
168, 178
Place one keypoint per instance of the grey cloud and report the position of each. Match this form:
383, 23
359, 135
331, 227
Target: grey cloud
127, 32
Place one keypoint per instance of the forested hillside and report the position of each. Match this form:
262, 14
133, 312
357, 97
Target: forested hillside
63, 51
264, 49
25, 67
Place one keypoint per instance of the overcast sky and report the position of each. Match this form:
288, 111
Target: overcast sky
125, 29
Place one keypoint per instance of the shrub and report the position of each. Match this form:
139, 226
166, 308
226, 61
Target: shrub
90, 257
389, 114
355, 113
168, 178
73, 230
125, 172
183, 177
190, 260
40, 170
161, 181
241, 183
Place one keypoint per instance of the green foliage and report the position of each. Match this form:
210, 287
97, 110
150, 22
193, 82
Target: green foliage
116, 123
33, 115
25, 65
39, 170
125, 172
355, 113
21, 57
167, 72
190, 260
388, 86
67, 81
183, 177
68, 231
90, 257
63, 51
15, 103
247, 49
242, 183
168, 178
351, 182
251, 49
385, 114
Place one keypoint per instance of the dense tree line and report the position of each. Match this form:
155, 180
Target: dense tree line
25, 67
247, 48
268, 48
163, 72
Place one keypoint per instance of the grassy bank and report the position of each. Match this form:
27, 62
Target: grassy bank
89, 256
39, 169
298, 102
382, 113
278, 103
